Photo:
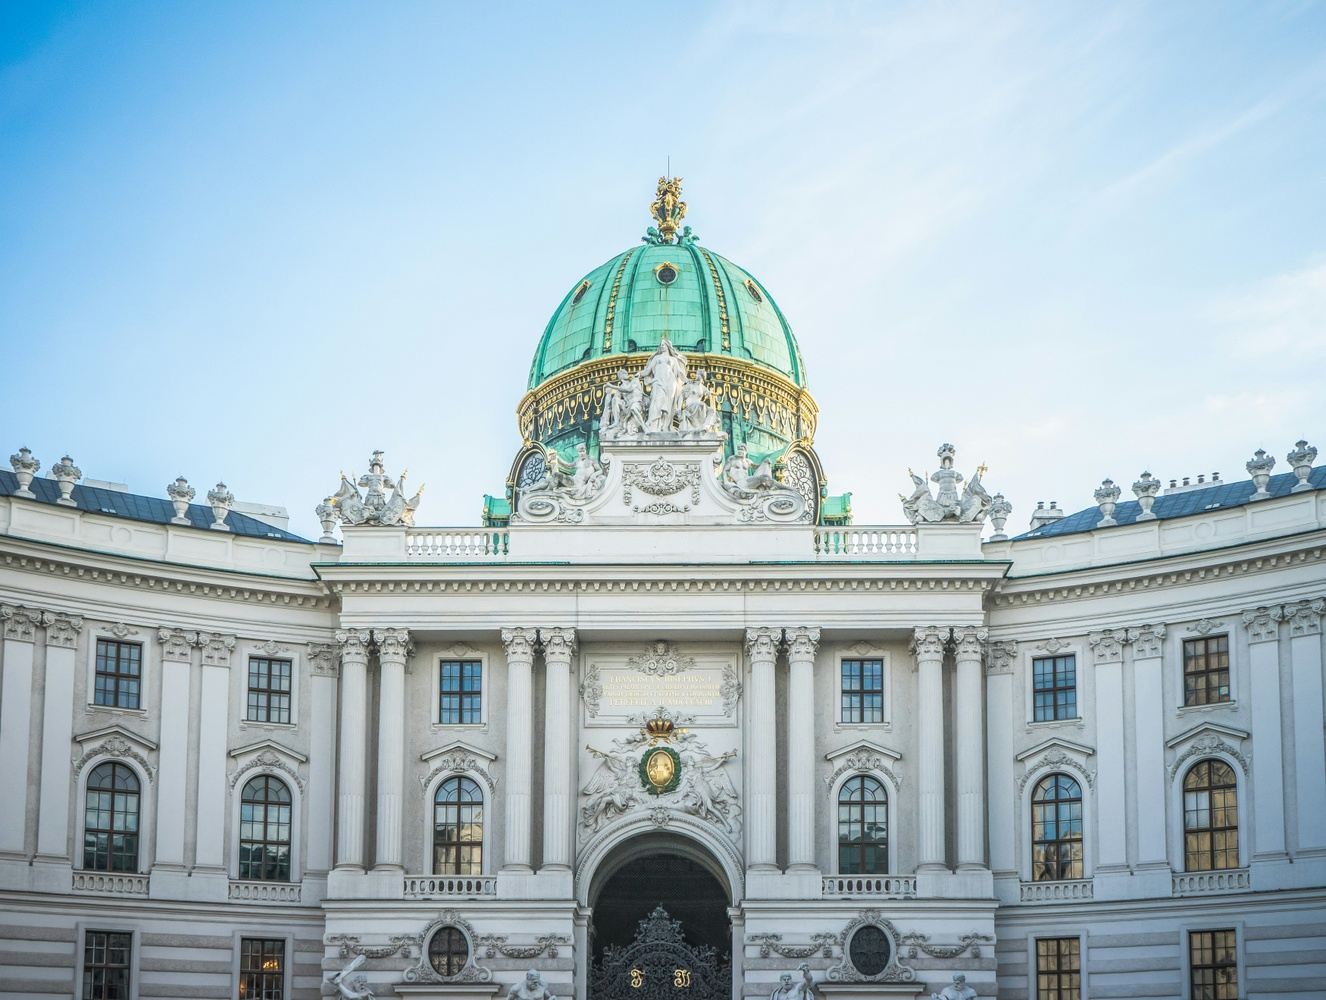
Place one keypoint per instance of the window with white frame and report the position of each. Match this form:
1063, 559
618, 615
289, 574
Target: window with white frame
269, 690
863, 827
107, 965
110, 819
1206, 670
460, 692
1213, 965
119, 674
1058, 968
1210, 817
1054, 688
458, 828
862, 690
264, 830
262, 969
1056, 829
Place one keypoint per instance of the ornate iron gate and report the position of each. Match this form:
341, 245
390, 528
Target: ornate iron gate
660, 965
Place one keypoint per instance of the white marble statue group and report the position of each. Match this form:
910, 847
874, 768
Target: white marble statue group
799, 987
350, 986
662, 399
578, 480
383, 503
947, 504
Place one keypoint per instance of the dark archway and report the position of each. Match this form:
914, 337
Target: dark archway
687, 890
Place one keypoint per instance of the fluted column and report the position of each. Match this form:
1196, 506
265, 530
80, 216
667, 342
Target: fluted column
559, 645
801, 646
519, 643
969, 707
393, 650
761, 764
354, 743
928, 646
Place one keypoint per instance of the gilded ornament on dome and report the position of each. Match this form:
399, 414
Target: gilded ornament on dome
667, 209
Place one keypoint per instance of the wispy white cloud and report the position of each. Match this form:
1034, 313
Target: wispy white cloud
1282, 315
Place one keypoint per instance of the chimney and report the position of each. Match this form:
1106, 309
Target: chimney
1043, 515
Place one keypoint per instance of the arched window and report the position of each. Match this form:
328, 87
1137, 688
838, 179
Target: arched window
110, 819
863, 827
1210, 817
458, 828
264, 830
1056, 829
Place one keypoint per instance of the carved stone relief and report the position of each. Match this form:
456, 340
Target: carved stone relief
893, 972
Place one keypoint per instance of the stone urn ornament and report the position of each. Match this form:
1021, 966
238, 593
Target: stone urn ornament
66, 474
181, 495
1000, 508
1107, 499
1259, 467
1301, 458
326, 512
25, 467
1145, 489
220, 498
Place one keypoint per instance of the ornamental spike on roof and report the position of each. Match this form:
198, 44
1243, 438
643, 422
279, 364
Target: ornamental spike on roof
668, 210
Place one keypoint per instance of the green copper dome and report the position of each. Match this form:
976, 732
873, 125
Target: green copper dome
700, 301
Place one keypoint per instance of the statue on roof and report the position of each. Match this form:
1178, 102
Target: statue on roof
698, 413
665, 375
623, 406
383, 503
947, 504
668, 210
742, 476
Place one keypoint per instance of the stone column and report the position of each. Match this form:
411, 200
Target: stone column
393, 650
1111, 782
353, 783
1304, 618
559, 645
969, 707
928, 646
321, 713
20, 626
801, 646
57, 730
1148, 646
1268, 773
1001, 657
519, 643
762, 761
214, 731
177, 647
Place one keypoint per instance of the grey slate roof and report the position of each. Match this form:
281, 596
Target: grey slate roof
1199, 501
151, 509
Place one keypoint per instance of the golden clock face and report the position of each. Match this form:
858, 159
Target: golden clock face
660, 768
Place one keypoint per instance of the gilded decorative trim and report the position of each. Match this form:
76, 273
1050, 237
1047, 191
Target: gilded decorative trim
722, 300
612, 301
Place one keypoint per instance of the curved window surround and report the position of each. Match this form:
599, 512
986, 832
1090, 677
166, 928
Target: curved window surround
110, 819
458, 828
863, 827
264, 830
448, 951
1056, 829
1210, 817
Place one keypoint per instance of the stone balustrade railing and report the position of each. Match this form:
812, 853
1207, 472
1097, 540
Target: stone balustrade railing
433, 886
486, 544
866, 542
875, 886
1201, 883
265, 892
1057, 892
110, 883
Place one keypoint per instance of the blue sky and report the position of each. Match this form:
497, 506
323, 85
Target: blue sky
255, 241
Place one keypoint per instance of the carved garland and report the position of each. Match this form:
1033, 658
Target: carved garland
661, 658
661, 479
495, 944
423, 971
268, 760
116, 746
1204, 747
918, 942
894, 972
349, 945
863, 762
1055, 760
772, 944
591, 690
458, 763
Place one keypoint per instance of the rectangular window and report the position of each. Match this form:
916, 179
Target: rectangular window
262, 969
1213, 965
460, 697
119, 674
106, 957
1054, 688
269, 690
1206, 670
863, 691
1058, 969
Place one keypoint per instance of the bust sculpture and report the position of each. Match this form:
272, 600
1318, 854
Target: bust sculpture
531, 988
784, 990
958, 990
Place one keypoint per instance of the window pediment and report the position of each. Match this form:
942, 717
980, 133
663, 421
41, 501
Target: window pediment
1057, 753
115, 741
266, 755
461, 758
1209, 738
863, 755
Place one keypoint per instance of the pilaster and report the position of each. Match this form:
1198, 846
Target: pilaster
1111, 780
62, 633
20, 629
1001, 655
354, 645
213, 730
1268, 792
969, 706
393, 650
928, 647
761, 770
323, 664
1150, 786
519, 644
176, 648
559, 646
802, 644
1304, 621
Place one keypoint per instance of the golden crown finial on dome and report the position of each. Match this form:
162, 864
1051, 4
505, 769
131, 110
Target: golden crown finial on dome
667, 209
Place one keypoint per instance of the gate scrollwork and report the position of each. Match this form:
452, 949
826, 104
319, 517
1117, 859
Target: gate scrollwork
660, 965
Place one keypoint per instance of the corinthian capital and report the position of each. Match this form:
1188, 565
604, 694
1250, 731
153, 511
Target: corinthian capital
1107, 644
520, 643
969, 642
802, 642
928, 642
20, 623
393, 643
762, 643
1263, 624
558, 643
354, 643
1000, 655
217, 647
1147, 640
61, 630
1304, 617
177, 643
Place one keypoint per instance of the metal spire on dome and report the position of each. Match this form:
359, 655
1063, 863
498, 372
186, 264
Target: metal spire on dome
668, 210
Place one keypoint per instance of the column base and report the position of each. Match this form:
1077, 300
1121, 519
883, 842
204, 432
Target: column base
933, 866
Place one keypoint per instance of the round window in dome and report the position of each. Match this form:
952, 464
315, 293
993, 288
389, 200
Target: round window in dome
448, 951
666, 273
869, 951
754, 292
581, 289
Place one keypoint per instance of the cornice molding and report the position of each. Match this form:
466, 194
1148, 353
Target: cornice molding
661, 585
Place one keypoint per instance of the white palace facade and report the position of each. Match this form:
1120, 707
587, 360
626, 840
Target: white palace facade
667, 723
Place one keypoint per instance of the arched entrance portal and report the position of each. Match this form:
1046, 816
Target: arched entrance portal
659, 925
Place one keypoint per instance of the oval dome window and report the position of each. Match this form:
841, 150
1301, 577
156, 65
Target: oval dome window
666, 273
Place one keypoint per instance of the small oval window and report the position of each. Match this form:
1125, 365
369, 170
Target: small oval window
754, 292
580, 292
448, 951
666, 273
869, 951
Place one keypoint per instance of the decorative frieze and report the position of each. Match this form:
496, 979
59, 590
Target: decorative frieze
1205, 626
1051, 646
494, 945
121, 630
916, 944
1263, 624
772, 944
61, 630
